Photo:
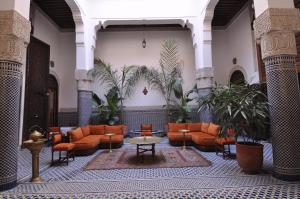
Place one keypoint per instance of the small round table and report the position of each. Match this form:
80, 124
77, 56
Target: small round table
145, 141
184, 131
110, 135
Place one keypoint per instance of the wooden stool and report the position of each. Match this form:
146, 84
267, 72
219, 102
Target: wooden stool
221, 143
57, 145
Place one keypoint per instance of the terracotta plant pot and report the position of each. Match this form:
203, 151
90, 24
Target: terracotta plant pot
250, 156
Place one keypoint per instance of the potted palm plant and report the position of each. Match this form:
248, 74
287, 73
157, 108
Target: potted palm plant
181, 104
170, 71
242, 110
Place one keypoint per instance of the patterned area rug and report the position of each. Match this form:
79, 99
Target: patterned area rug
164, 158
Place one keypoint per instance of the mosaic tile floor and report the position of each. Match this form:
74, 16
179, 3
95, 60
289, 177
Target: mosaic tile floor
223, 179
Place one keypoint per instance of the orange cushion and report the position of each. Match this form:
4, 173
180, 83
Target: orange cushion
87, 143
64, 147
75, 135
57, 138
194, 127
213, 129
203, 139
114, 139
117, 129
85, 130
226, 140
52, 130
147, 127
204, 127
176, 126
97, 129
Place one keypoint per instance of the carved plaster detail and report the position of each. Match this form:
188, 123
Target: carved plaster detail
277, 19
14, 35
278, 43
205, 78
12, 23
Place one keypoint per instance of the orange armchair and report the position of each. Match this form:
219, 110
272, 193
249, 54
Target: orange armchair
146, 129
57, 145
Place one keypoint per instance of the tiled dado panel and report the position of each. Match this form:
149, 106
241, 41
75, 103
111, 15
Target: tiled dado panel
132, 118
67, 118
157, 117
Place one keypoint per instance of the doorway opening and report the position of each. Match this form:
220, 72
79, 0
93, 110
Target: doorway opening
52, 93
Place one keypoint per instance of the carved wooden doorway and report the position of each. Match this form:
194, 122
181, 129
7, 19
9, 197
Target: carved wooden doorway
36, 98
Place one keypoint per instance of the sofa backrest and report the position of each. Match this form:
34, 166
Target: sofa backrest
85, 130
204, 127
194, 127
175, 127
116, 129
75, 134
97, 129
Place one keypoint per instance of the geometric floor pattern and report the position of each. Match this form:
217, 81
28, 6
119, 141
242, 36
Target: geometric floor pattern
224, 179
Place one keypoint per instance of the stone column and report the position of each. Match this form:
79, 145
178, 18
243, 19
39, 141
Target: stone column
205, 78
275, 28
84, 103
14, 37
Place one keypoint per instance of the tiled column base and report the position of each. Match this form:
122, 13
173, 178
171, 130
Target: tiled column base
84, 107
205, 114
10, 85
284, 98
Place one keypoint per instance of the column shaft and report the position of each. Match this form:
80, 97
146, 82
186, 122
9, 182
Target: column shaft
14, 36
275, 28
84, 105
205, 84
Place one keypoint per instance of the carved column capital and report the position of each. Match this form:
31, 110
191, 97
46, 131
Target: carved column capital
275, 29
84, 81
14, 35
205, 77
277, 19
278, 43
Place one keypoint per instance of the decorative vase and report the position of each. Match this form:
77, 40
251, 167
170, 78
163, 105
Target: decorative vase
250, 156
35, 135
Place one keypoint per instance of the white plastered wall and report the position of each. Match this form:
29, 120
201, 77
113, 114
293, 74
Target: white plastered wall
125, 48
235, 41
62, 52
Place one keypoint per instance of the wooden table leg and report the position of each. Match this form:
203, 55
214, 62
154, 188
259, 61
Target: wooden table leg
137, 151
153, 151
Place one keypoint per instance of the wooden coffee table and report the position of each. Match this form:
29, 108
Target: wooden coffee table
142, 142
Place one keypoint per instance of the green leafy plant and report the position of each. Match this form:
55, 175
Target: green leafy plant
182, 109
123, 83
170, 71
241, 108
108, 112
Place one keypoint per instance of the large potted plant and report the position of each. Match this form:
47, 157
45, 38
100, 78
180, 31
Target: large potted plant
242, 110
108, 112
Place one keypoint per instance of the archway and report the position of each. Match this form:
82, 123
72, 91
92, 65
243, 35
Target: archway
52, 92
237, 77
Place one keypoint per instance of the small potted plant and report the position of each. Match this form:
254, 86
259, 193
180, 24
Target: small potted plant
245, 111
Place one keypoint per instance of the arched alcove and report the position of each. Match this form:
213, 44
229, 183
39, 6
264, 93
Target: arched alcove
237, 77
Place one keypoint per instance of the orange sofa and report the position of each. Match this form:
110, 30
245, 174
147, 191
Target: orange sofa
203, 135
91, 136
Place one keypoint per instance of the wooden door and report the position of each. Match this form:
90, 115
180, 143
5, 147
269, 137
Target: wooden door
52, 101
36, 98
